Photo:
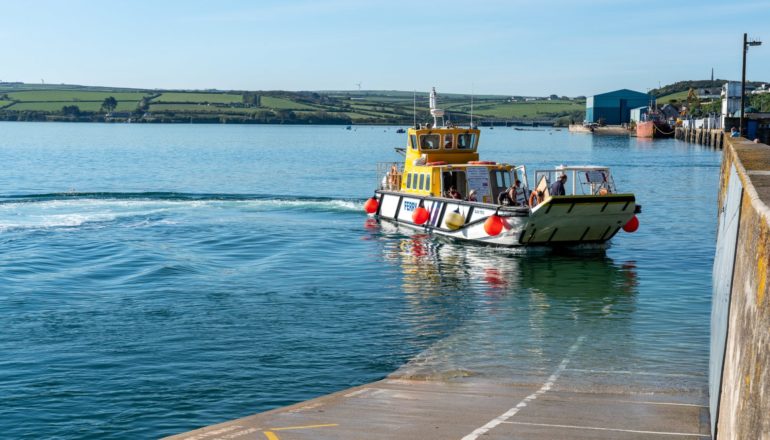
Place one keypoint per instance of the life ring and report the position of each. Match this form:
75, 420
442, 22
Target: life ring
433, 164
482, 162
533, 195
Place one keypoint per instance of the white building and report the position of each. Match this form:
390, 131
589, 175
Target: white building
731, 99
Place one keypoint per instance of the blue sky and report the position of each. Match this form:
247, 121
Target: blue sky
499, 47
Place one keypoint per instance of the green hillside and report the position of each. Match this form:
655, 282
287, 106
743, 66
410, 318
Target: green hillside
82, 103
685, 86
672, 97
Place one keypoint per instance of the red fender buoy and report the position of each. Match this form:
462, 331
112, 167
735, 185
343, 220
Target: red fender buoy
493, 225
371, 205
632, 225
420, 215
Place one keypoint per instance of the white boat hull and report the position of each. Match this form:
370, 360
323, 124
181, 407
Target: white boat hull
558, 221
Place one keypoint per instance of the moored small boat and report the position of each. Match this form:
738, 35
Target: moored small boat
443, 188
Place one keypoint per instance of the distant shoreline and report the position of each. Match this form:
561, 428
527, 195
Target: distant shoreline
230, 122
65, 103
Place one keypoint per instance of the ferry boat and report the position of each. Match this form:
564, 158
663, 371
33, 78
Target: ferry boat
443, 188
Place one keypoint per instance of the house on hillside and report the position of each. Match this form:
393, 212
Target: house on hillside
669, 111
709, 93
764, 88
614, 107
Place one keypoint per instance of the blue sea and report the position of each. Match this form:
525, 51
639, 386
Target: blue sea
158, 278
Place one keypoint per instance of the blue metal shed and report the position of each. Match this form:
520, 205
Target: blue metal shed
614, 107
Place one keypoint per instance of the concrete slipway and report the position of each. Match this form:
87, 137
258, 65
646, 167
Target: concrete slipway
559, 405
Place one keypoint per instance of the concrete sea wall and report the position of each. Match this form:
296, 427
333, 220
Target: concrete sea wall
710, 137
739, 376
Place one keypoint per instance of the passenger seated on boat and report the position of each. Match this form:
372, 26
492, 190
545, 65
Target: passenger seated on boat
453, 193
512, 195
505, 198
472, 196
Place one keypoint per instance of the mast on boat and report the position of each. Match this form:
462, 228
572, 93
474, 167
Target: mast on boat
435, 112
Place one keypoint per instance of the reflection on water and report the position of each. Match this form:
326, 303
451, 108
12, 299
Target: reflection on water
523, 310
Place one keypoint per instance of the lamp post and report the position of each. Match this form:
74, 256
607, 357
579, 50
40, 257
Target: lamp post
746, 44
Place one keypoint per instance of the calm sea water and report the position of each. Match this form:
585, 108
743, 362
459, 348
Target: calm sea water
158, 278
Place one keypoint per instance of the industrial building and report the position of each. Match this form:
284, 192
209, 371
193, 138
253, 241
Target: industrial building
614, 107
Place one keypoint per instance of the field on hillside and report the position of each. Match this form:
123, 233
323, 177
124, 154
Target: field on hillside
199, 108
678, 96
84, 106
72, 96
195, 97
273, 102
524, 110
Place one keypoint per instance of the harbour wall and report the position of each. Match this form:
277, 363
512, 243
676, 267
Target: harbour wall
711, 137
739, 370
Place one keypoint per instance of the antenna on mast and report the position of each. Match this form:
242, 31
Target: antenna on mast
472, 105
414, 108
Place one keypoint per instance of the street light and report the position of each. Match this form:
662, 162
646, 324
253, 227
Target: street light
746, 45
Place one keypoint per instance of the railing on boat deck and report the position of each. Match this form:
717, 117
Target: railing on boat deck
389, 175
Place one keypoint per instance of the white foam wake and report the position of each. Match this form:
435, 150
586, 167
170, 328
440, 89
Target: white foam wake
68, 213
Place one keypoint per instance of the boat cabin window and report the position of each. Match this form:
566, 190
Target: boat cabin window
448, 144
430, 141
466, 141
501, 180
422, 182
409, 181
413, 142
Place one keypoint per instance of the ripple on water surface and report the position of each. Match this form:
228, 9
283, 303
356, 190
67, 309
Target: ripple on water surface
162, 298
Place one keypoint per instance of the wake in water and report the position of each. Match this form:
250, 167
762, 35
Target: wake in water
73, 209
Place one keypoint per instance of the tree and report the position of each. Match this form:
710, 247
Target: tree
109, 104
693, 102
142, 107
760, 102
71, 110
285, 114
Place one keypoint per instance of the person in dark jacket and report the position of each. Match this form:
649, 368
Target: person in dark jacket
557, 188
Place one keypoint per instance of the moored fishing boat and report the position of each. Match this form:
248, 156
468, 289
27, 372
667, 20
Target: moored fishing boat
654, 126
443, 188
